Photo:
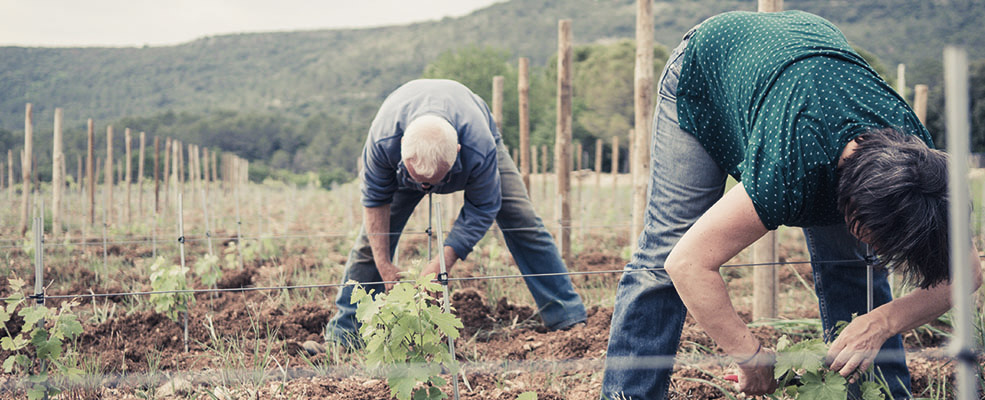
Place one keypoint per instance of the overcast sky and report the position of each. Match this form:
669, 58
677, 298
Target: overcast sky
167, 22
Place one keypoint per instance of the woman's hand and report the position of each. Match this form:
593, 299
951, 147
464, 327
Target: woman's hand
856, 347
756, 374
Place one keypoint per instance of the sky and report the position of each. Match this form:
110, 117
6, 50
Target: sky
71, 23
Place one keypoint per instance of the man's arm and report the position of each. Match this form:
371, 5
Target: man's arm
856, 347
483, 198
377, 221
730, 225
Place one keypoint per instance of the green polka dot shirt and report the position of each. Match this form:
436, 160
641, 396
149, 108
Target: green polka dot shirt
774, 98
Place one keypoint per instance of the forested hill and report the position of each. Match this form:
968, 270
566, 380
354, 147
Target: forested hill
313, 81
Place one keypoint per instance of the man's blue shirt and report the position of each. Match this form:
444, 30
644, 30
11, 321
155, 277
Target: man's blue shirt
475, 170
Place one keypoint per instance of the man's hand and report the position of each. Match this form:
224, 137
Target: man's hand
756, 376
856, 347
389, 273
434, 267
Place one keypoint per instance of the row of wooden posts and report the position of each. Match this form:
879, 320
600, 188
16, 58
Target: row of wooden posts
203, 167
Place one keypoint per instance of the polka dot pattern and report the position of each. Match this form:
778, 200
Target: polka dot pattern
774, 98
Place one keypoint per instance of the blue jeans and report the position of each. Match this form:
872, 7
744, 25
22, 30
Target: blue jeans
526, 237
648, 316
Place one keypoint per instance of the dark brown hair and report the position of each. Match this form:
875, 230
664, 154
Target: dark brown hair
893, 193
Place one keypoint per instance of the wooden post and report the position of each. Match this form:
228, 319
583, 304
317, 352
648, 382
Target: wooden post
598, 166
615, 165
181, 167
497, 101
544, 170
90, 173
166, 178
140, 174
108, 184
157, 171
57, 176
128, 140
10, 174
215, 167
174, 171
523, 90
770, 5
920, 102
562, 143
26, 167
643, 79
764, 250
901, 80
78, 173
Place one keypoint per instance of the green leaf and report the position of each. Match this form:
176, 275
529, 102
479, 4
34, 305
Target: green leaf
871, 391
830, 387
32, 315
448, 324
527, 396
807, 356
8, 364
69, 325
401, 388
36, 392
7, 343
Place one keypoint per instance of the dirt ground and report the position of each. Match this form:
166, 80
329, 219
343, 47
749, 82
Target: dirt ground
504, 349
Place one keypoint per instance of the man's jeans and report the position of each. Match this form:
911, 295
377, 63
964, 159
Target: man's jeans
648, 316
529, 242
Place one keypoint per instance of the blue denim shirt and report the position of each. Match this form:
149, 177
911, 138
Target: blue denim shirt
475, 170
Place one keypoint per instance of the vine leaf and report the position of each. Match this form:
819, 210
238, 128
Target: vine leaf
831, 386
804, 356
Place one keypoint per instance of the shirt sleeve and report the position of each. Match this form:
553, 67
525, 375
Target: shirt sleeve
379, 176
483, 198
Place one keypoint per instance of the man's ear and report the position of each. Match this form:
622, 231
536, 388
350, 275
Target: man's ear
459, 150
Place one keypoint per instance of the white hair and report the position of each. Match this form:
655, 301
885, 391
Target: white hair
430, 144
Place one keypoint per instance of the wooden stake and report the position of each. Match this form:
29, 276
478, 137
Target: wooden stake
544, 170
108, 183
10, 174
215, 168
90, 174
644, 111
167, 168
562, 155
764, 250
901, 80
523, 88
598, 166
920, 102
57, 176
157, 171
497, 97
140, 174
128, 140
770, 5
26, 168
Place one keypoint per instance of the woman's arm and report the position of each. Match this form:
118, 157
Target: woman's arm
729, 226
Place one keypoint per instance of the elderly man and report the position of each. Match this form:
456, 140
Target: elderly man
816, 139
436, 136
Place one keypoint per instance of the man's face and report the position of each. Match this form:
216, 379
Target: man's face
426, 182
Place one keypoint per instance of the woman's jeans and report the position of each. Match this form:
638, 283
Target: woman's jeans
529, 242
649, 315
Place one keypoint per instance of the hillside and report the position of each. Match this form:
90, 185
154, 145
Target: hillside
342, 75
